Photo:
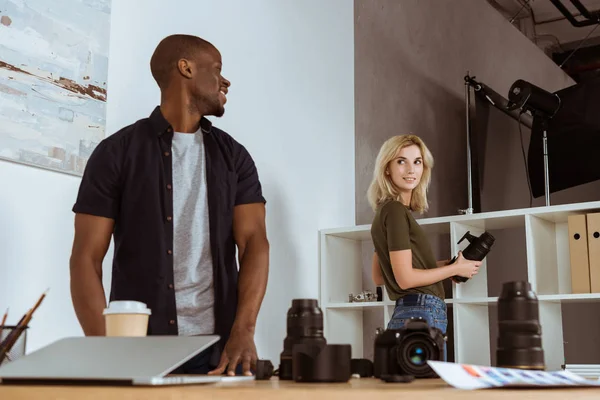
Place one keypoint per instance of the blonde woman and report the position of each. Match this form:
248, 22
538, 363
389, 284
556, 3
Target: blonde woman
403, 260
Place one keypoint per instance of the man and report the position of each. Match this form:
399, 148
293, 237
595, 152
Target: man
178, 195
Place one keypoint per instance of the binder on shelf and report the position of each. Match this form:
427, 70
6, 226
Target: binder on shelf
578, 254
593, 238
585, 370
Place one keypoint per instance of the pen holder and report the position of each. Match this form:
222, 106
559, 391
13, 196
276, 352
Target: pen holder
18, 349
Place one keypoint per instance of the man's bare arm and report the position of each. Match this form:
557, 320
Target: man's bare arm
253, 250
92, 238
250, 235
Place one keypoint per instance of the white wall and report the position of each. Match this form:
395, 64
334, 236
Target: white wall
36, 236
291, 103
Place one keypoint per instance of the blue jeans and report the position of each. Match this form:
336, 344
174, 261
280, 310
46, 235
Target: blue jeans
431, 308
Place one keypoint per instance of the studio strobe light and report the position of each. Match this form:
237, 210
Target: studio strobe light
541, 104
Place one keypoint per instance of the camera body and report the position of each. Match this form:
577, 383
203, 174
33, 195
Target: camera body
478, 248
405, 351
304, 326
306, 355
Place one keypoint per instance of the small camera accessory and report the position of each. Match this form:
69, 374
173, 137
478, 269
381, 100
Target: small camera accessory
264, 370
362, 297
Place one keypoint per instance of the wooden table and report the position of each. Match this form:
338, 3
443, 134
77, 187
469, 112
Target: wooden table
363, 389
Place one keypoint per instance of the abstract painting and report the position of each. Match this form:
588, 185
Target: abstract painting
53, 72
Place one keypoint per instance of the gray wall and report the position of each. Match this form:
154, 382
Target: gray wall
410, 60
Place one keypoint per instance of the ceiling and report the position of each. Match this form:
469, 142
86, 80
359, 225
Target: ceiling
543, 23
544, 18
545, 11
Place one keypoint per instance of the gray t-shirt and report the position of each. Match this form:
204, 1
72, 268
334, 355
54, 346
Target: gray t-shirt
192, 258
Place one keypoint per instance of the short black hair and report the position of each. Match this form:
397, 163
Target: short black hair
170, 50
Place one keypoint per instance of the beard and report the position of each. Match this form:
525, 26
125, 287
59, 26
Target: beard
219, 110
210, 105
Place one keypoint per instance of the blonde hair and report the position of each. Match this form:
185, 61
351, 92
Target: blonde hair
383, 189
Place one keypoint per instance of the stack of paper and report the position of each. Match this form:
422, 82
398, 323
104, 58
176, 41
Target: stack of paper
465, 376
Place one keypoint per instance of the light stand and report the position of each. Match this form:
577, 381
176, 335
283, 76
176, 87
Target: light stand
541, 104
469, 209
546, 169
498, 102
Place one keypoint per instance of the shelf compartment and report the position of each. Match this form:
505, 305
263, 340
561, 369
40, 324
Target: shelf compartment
343, 267
340, 265
366, 304
548, 257
570, 298
345, 326
481, 301
471, 342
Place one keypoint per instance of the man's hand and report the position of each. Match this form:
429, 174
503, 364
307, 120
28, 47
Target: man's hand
240, 348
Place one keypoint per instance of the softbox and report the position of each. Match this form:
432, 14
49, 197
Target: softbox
573, 141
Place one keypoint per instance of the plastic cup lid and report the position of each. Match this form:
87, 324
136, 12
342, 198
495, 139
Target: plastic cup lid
127, 307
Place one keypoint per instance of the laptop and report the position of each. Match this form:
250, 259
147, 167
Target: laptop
104, 360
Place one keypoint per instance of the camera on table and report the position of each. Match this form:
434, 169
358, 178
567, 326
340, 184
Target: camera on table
306, 355
405, 351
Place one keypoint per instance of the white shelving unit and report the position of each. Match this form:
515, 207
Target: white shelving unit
341, 264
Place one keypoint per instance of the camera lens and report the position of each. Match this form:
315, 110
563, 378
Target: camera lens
519, 331
417, 354
304, 319
486, 241
304, 326
412, 355
480, 247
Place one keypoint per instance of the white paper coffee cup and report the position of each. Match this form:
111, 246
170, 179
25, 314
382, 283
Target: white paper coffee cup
126, 318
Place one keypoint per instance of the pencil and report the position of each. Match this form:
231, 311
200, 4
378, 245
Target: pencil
12, 338
4, 318
35, 307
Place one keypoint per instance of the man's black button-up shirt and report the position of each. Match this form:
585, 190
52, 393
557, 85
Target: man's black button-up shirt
128, 178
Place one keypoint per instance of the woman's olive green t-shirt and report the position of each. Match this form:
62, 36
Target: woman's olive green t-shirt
394, 228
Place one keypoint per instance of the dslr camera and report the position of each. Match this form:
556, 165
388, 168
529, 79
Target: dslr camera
405, 351
306, 355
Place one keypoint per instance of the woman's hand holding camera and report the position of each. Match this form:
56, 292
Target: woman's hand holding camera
466, 268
